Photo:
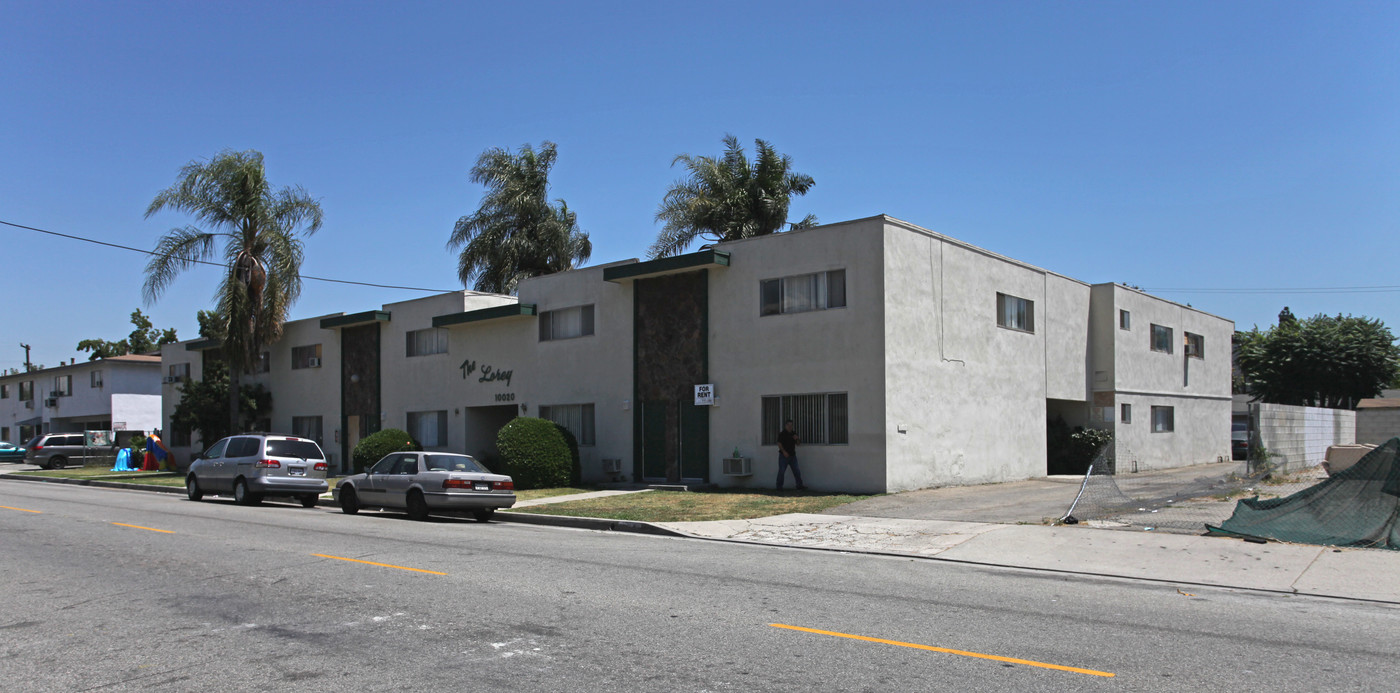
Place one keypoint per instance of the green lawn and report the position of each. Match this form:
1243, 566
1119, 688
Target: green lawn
692, 506
104, 474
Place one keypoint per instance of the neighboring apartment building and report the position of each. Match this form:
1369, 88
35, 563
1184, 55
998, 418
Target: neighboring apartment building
907, 359
120, 392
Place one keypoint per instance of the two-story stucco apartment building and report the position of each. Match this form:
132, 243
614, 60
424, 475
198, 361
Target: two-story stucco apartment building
906, 358
120, 392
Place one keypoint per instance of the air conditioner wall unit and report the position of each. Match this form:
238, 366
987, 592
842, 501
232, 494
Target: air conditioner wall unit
170, 379
612, 465
313, 362
51, 402
738, 466
28, 404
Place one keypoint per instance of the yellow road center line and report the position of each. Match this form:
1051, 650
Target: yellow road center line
36, 512
381, 565
962, 653
148, 529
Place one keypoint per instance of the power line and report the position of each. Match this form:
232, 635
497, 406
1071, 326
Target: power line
215, 264
1281, 290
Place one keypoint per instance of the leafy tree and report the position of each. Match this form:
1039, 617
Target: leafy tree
262, 250
211, 325
204, 405
142, 340
1322, 361
516, 232
728, 198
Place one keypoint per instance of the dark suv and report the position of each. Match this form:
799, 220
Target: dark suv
253, 465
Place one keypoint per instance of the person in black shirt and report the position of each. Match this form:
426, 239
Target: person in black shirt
787, 455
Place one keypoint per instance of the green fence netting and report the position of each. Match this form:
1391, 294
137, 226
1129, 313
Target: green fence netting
1357, 507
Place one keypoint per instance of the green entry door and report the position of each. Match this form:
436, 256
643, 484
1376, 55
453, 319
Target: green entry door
654, 439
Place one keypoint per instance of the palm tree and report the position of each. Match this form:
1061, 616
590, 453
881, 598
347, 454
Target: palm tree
262, 250
516, 231
729, 198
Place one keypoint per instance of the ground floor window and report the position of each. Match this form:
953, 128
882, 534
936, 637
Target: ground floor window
308, 427
819, 419
429, 428
5, 433
578, 418
1163, 420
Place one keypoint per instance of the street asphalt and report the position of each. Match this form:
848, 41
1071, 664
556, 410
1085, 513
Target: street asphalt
121, 590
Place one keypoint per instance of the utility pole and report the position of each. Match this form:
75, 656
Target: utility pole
27, 366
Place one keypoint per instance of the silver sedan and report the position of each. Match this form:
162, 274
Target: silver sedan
420, 483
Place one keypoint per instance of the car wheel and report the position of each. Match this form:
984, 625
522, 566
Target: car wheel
309, 500
57, 462
242, 496
484, 515
349, 502
192, 488
417, 507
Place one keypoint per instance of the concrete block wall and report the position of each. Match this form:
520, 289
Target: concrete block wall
1298, 437
1376, 426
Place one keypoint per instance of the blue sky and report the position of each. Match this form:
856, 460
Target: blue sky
1216, 145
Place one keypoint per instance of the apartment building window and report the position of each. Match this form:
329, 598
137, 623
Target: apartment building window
26, 391
180, 371
306, 356
432, 340
308, 427
1162, 339
1125, 320
5, 391
95, 378
63, 385
803, 292
819, 419
1125, 413
5, 433
264, 363
1195, 345
429, 428
566, 323
1163, 420
1015, 313
578, 418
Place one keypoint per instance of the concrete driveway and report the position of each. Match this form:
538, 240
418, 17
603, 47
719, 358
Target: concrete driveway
1031, 501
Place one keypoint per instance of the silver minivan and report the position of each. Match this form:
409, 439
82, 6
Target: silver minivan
58, 450
254, 465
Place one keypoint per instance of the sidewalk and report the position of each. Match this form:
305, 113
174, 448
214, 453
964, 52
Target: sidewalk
1367, 574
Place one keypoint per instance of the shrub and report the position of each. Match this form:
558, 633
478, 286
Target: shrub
576, 469
536, 455
375, 446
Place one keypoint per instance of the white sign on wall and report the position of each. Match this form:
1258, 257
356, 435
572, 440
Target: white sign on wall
705, 395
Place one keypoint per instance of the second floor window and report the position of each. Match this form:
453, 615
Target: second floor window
1195, 345
26, 390
1015, 313
306, 356
180, 371
5, 391
62, 385
423, 342
803, 292
264, 363
1125, 320
566, 323
96, 378
1162, 339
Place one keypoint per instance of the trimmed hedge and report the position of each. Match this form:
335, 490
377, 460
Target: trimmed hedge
374, 447
535, 453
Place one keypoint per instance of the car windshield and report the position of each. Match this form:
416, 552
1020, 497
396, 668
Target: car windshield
453, 463
303, 449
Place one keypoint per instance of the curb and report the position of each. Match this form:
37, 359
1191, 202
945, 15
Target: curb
596, 523
95, 483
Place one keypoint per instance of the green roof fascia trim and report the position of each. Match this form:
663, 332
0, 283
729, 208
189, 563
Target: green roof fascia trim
355, 319
668, 265
511, 310
203, 345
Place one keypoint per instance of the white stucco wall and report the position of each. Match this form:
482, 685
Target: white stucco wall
138, 412
970, 395
821, 351
304, 391
1197, 389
